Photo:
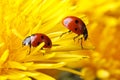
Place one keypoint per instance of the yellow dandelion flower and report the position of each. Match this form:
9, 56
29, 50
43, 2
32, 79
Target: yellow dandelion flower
21, 18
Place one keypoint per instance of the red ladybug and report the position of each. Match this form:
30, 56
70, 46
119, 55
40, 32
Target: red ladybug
35, 39
75, 25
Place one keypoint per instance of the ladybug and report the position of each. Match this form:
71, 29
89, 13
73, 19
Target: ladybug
76, 25
35, 39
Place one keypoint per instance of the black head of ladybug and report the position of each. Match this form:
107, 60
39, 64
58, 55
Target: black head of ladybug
27, 41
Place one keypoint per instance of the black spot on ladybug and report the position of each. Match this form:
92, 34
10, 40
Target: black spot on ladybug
76, 29
76, 21
42, 37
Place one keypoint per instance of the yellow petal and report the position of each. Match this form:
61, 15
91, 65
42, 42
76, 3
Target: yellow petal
46, 66
14, 31
22, 75
1, 44
4, 57
3, 77
17, 65
37, 48
68, 57
27, 64
39, 76
39, 57
103, 74
25, 78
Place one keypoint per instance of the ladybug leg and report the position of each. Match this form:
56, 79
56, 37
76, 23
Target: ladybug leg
41, 48
81, 43
65, 33
29, 49
81, 39
75, 37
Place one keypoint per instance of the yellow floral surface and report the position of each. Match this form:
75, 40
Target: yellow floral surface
21, 18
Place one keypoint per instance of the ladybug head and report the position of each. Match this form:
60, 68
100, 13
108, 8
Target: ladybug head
27, 41
85, 33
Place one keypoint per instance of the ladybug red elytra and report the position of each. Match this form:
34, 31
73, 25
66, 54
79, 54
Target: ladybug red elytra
35, 39
75, 25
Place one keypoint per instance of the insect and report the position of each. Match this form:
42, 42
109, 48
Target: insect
35, 39
76, 25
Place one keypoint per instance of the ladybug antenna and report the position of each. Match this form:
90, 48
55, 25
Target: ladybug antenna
65, 33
